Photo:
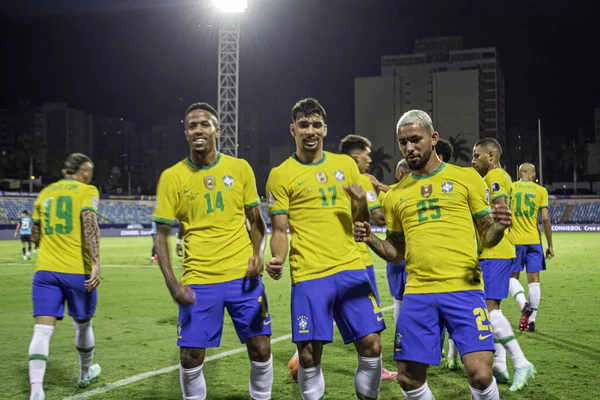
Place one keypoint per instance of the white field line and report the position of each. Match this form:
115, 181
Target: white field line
139, 377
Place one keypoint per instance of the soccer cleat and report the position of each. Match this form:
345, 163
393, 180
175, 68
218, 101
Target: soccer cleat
388, 375
94, 373
524, 322
154, 258
522, 377
501, 376
24, 258
531, 327
453, 363
293, 367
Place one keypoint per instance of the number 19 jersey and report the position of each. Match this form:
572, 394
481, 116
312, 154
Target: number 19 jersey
58, 211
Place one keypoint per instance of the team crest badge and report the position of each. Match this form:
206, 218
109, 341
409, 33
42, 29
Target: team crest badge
209, 182
487, 195
228, 181
371, 196
179, 330
426, 190
339, 175
495, 187
447, 187
303, 324
322, 177
398, 343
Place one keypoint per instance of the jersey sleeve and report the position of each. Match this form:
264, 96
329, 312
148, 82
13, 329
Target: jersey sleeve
479, 194
354, 175
278, 199
167, 199
251, 198
90, 199
497, 184
372, 199
36, 216
543, 197
393, 223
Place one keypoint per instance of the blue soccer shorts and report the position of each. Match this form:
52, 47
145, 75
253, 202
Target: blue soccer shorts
26, 238
418, 332
51, 290
347, 297
371, 273
396, 275
201, 325
531, 257
496, 277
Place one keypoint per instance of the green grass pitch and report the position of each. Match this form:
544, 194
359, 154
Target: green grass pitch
135, 330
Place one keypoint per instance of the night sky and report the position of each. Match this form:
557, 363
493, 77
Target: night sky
142, 60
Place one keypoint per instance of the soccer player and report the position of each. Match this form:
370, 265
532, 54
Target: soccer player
431, 225
153, 257
211, 194
24, 229
528, 200
319, 195
496, 265
67, 269
444, 150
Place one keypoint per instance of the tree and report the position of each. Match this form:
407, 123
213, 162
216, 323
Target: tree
379, 162
461, 151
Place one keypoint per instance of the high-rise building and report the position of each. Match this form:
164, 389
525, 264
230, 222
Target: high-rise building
462, 90
67, 130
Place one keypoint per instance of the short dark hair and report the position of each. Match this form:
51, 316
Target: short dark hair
75, 161
352, 143
489, 142
202, 106
444, 148
308, 107
25, 212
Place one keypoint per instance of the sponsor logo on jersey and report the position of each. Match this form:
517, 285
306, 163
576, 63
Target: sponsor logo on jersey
495, 187
209, 182
321, 177
426, 190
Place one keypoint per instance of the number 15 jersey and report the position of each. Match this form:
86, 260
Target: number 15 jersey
435, 214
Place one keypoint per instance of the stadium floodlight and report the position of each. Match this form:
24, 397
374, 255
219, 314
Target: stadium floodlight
232, 6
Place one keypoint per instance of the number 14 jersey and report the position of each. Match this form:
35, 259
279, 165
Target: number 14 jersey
435, 213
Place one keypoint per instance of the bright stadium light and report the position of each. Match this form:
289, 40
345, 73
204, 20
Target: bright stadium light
232, 6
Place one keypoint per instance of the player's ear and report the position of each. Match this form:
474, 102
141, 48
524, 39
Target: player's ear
324, 130
218, 132
434, 138
292, 131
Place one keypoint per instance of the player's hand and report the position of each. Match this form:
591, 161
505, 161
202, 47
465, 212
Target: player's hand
275, 268
362, 231
92, 283
374, 180
501, 215
179, 249
549, 253
356, 192
184, 295
255, 266
15, 235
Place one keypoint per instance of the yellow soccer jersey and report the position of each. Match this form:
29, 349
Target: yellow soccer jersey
381, 196
58, 212
373, 203
210, 202
319, 212
499, 185
528, 198
435, 214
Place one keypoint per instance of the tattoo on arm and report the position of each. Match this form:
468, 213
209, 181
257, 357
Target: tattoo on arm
490, 234
91, 232
35, 234
391, 249
258, 230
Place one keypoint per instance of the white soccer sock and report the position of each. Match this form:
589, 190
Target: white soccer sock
452, 352
311, 382
517, 291
397, 307
535, 294
192, 382
491, 393
84, 342
499, 357
261, 379
367, 378
422, 393
38, 354
503, 334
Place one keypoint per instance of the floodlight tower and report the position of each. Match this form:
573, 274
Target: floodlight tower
229, 52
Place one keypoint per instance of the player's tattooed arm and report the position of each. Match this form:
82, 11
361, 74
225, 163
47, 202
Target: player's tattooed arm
491, 226
91, 232
35, 234
258, 237
391, 249
279, 245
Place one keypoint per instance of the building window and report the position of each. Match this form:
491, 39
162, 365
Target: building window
488, 54
489, 75
489, 66
489, 85
407, 102
490, 115
489, 95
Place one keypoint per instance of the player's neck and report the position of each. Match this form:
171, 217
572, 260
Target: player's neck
309, 158
432, 165
494, 166
204, 160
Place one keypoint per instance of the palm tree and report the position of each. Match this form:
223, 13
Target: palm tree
379, 163
461, 151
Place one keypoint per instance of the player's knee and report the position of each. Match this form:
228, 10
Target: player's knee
308, 358
479, 378
370, 345
190, 357
408, 382
259, 348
